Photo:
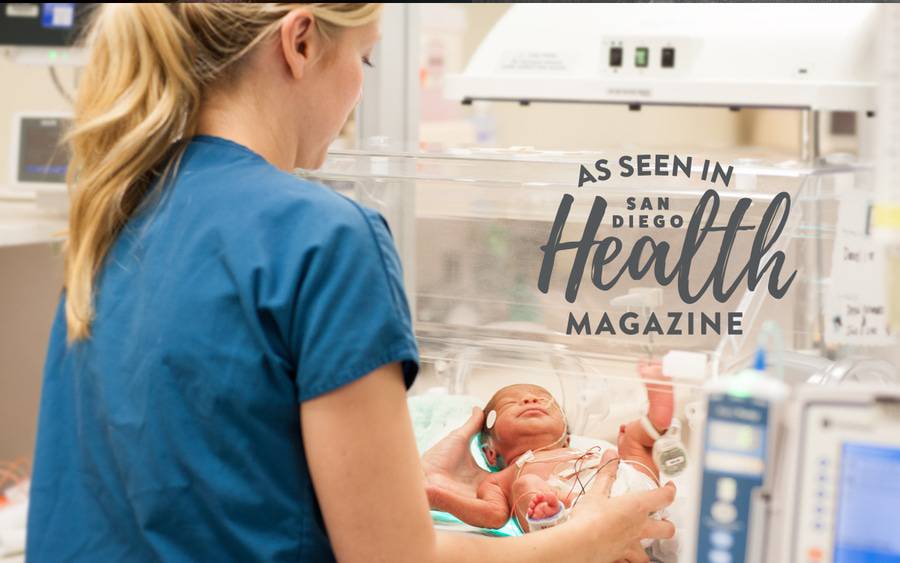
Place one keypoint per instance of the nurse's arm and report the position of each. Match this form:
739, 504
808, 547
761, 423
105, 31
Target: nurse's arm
371, 488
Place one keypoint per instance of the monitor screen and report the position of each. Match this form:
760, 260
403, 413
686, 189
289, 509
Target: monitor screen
41, 156
867, 499
41, 24
736, 437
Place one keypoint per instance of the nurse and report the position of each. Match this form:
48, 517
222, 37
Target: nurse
227, 370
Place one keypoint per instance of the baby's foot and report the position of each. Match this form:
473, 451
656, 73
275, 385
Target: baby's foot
543, 505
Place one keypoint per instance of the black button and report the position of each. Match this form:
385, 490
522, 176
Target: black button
615, 56
668, 57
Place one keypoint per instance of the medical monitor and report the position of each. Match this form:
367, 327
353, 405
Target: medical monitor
41, 24
39, 158
868, 493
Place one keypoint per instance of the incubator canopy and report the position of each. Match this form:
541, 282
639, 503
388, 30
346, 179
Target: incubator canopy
818, 56
470, 226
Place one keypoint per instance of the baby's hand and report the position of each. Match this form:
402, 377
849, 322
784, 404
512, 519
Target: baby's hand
543, 505
651, 372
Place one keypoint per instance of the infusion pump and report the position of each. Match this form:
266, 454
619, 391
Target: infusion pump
822, 469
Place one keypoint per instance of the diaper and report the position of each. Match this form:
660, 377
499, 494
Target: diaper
630, 479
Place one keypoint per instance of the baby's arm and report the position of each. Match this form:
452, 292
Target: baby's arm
634, 442
489, 510
662, 404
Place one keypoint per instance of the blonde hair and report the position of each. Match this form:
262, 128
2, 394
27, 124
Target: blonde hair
138, 102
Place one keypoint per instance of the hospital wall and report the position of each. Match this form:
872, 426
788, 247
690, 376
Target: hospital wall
30, 275
29, 289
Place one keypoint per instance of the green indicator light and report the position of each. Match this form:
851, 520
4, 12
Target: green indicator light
52, 55
739, 391
641, 56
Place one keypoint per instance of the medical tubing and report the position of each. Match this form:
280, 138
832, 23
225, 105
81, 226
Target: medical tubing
585, 486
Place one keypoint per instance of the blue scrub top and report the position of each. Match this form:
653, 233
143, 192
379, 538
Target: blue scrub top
173, 433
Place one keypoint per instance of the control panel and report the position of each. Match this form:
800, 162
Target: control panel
664, 57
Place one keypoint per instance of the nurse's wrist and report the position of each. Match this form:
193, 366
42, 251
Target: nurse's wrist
580, 538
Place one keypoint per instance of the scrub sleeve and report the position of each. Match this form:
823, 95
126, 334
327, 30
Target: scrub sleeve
352, 315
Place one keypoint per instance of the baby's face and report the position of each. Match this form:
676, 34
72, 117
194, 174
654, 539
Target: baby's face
527, 418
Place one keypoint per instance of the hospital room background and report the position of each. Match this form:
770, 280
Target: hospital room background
469, 132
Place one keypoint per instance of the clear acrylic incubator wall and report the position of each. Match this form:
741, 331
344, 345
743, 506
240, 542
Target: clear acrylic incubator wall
469, 226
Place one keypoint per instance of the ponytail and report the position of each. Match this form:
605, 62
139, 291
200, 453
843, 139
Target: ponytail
137, 106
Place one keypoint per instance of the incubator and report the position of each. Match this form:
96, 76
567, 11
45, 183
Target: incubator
470, 225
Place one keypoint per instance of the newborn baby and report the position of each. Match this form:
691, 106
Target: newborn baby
527, 436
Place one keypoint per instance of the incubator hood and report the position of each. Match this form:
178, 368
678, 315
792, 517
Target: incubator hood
804, 56
470, 224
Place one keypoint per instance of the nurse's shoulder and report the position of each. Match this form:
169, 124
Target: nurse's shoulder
259, 203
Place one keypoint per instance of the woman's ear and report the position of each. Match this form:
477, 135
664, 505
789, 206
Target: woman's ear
300, 45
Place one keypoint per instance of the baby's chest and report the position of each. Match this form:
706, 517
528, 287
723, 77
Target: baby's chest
562, 469
544, 470
541, 465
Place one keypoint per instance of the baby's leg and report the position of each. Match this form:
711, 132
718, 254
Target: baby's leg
534, 497
634, 442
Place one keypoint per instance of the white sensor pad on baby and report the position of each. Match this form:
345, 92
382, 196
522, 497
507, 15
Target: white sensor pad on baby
491, 419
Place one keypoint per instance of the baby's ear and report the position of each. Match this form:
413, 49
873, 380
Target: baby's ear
490, 455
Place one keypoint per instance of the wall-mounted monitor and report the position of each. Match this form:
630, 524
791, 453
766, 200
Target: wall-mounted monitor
41, 25
39, 158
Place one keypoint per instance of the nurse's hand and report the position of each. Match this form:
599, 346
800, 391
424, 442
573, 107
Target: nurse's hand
449, 465
620, 523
